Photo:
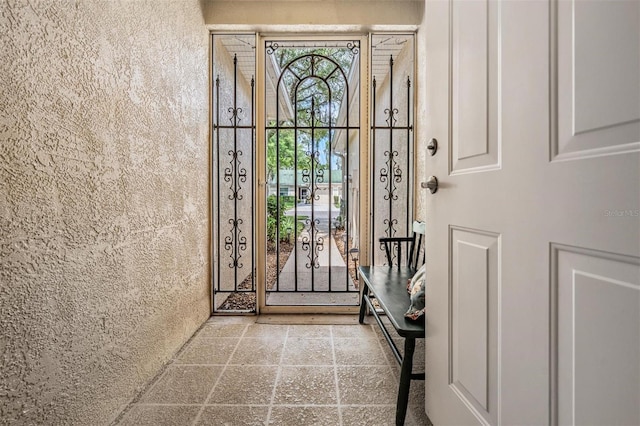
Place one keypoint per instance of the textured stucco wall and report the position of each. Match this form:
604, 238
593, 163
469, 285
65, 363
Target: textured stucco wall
103, 201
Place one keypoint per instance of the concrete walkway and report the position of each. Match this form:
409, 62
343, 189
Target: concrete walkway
330, 274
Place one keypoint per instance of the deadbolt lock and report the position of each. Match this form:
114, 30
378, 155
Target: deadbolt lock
432, 147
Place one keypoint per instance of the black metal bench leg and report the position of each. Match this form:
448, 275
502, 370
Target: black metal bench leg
363, 304
405, 380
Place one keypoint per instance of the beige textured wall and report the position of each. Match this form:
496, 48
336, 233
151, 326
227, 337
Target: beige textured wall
313, 12
103, 201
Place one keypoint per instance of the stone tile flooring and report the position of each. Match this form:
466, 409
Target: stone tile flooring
236, 371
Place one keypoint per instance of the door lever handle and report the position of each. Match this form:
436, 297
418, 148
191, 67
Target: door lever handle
431, 184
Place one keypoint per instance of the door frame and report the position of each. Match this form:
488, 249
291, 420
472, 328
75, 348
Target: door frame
321, 32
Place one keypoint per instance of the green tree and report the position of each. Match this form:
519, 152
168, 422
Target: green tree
285, 147
317, 100
283, 144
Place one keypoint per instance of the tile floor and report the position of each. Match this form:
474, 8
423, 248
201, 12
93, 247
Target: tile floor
236, 371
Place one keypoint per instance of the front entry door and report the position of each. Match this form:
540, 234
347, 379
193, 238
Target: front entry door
312, 138
533, 307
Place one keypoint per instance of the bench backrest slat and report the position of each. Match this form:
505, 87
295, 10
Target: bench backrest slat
415, 255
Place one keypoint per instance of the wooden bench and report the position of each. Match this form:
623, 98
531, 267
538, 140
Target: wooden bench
388, 286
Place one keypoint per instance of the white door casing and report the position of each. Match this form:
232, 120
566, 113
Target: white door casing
533, 306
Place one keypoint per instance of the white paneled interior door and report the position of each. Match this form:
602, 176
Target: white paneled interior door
533, 302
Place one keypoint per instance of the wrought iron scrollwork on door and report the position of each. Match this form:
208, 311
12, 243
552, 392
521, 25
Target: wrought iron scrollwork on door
309, 97
312, 242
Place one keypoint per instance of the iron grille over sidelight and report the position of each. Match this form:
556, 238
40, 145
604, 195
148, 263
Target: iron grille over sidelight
234, 166
392, 65
312, 133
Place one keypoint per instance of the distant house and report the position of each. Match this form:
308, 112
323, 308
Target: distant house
298, 184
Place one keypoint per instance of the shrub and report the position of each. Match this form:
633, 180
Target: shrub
287, 201
275, 217
271, 228
272, 206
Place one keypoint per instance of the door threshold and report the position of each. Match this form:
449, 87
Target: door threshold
315, 319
